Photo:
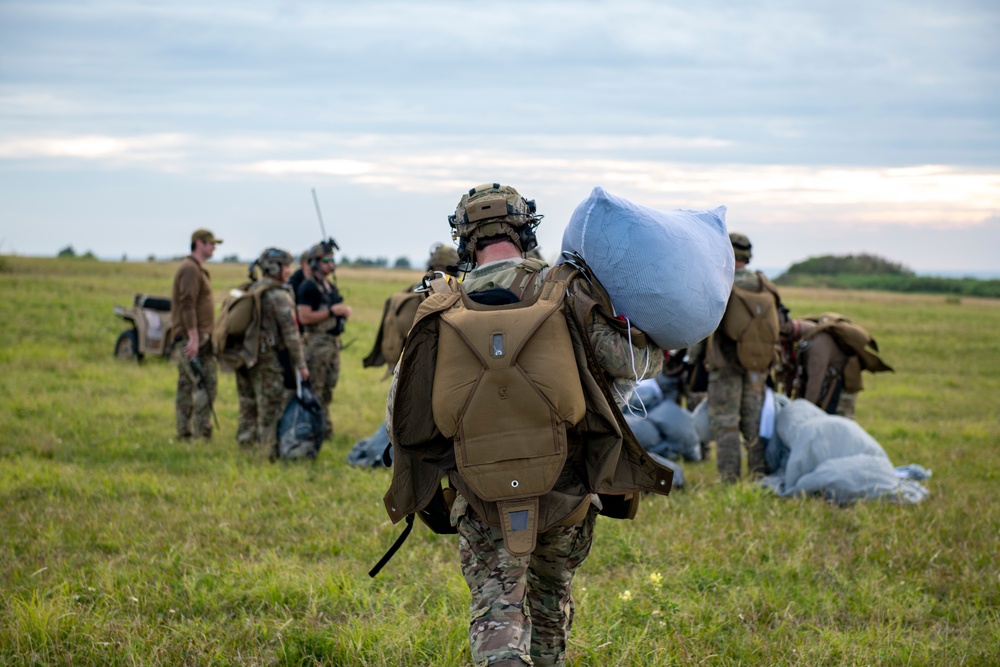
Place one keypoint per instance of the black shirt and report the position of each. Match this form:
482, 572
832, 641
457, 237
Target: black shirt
296, 281
310, 294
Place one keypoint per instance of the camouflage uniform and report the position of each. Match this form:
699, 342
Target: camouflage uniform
522, 607
322, 344
735, 399
278, 332
323, 359
193, 403
246, 426
193, 309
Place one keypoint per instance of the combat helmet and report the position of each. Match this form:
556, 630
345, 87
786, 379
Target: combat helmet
741, 246
490, 210
271, 261
442, 257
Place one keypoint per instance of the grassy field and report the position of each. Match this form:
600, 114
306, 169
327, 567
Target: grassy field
121, 546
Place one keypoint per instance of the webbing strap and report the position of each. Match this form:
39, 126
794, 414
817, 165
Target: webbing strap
394, 548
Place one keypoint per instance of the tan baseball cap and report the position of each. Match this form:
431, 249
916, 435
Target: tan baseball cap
205, 236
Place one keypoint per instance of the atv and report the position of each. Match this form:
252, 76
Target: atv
151, 331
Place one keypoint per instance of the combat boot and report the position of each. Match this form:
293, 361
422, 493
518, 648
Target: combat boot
756, 462
727, 457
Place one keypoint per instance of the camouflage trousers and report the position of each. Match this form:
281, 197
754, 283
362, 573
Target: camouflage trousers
323, 360
193, 404
845, 404
271, 399
246, 425
522, 607
734, 405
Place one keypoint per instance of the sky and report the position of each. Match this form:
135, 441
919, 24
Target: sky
845, 127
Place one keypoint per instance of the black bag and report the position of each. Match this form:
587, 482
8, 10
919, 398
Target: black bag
300, 429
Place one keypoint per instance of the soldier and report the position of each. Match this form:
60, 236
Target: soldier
280, 353
194, 315
322, 315
520, 331
739, 356
401, 308
828, 353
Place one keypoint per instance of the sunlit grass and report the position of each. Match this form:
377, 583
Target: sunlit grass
121, 546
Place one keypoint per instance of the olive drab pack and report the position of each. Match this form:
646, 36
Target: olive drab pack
856, 343
853, 338
506, 387
751, 319
397, 317
236, 333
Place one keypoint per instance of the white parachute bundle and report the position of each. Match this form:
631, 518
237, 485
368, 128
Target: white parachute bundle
669, 272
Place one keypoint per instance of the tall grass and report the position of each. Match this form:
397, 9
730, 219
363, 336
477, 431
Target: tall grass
121, 546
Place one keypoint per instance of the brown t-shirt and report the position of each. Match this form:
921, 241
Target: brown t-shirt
192, 306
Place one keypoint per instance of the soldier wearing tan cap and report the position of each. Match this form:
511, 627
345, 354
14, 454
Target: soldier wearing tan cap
193, 314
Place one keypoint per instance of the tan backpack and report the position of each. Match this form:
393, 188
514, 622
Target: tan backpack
397, 318
236, 333
751, 319
506, 389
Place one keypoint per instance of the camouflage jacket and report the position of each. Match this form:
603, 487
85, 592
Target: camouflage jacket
278, 327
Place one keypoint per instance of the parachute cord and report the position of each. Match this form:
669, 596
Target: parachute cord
635, 375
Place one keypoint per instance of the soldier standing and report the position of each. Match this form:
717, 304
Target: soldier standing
550, 333
322, 314
193, 314
280, 354
739, 356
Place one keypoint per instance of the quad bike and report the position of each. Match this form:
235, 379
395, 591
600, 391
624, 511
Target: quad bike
151, 331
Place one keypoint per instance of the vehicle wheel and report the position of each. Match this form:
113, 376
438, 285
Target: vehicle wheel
127, 346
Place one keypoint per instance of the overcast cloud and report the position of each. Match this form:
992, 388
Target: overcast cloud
827, 127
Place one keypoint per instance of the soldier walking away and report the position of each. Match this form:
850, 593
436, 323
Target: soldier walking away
280, 353
505, 386
322, 314
194, 313
739, 356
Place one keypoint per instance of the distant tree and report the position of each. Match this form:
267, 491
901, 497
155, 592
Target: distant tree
864, 264
67, 252
124, 257
89, 255
402, 263
231, 259
151, 258
365, 261
344, 261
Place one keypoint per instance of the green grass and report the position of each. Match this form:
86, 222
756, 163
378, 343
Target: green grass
121, 546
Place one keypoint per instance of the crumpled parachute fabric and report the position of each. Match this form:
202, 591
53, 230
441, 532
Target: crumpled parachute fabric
670, 272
